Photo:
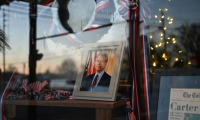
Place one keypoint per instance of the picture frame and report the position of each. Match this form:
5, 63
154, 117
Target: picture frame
104, 91
165, 82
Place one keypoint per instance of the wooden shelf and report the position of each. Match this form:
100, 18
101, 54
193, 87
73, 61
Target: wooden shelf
67, 103
122, 81
125, 85
103, 109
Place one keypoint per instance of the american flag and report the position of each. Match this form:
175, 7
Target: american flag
91, 69
37, 86
140, 101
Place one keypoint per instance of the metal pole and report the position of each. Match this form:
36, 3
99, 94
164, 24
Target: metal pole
32, 53
4, 37
32, 42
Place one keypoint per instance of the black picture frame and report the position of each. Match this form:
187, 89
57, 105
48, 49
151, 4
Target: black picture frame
166, 79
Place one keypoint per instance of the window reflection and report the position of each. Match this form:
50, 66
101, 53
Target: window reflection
90, 25
53, 42
173, 32
175, 35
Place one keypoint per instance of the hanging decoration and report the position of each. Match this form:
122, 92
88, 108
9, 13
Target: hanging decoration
140, 101
103, 7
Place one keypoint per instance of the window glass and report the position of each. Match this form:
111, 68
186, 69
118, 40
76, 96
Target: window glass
60, 34
173, 32
62, 28
15, 24
63, 31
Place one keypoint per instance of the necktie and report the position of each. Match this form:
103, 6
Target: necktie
94, 82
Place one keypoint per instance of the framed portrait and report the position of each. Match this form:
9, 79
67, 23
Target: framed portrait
175, 94
98, 76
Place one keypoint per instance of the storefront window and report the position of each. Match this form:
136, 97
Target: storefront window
149, 45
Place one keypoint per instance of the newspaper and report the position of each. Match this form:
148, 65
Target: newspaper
184, 104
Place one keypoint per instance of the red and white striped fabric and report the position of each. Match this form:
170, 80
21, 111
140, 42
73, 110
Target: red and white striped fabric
130, 114
37, 86
102, 4
9, 83
24, 85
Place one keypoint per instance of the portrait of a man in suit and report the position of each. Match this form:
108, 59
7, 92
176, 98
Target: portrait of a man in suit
100, 80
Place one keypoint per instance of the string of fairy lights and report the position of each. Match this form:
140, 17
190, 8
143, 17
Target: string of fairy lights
162, 34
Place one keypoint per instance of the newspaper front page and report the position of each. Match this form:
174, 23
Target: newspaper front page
184, 104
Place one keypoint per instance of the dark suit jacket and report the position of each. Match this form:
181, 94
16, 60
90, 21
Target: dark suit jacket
102, 86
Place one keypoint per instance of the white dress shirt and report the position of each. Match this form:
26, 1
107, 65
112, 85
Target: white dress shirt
99, 77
